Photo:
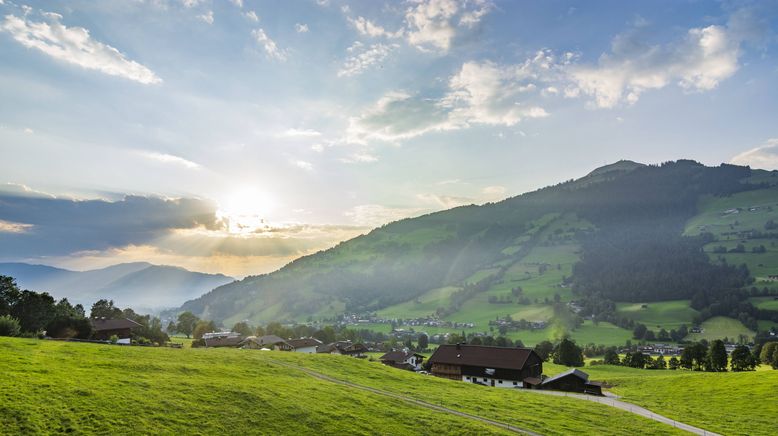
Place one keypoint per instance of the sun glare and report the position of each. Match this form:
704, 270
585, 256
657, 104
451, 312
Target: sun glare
246, 210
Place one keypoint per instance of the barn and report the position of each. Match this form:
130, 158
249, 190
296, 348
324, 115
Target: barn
573, 380
491, 366
103, 329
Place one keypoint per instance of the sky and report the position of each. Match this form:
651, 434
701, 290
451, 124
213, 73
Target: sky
234, 136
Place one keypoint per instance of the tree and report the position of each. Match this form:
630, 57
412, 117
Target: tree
9, 326
568, 354
9, 294
768, 352
33, 310
673, 363
717, 355
243, 328
69, 327
663, 335
639, 332
171, 327
202, 327
423, 342
611, 357
694, 356
650, 335
742, 359
543, 349
186, 323
105, 309
660, 363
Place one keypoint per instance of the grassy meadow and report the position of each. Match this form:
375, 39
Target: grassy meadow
60, 387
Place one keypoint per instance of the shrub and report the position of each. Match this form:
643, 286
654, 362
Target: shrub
114, 339
197, 343
9, 326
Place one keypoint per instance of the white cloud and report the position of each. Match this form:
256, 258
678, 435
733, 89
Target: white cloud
12, 227
445, 201
368, 28
494, 190
191, 3
29, 131
296, 133
238, 3
762, 157
698, 62
359, 157
301, 28
361, 58
206, 17
76, 46
170, 159
429, 24
374, 215
307, 166
270, 47
473, 17
318, 147
251, 15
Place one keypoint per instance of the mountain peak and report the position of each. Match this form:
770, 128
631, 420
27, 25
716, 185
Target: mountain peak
620, 166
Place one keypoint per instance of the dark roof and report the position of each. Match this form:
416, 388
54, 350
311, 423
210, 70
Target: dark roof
265, 340
99, 324
304, 342
344, 347
534, 381
575, 372
222, 341
399, 355
483, 356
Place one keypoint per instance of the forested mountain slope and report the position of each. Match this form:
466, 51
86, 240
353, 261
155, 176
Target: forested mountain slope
617, 234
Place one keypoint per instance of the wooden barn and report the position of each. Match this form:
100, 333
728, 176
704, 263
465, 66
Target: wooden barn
491, 366
103, 329
403, 359
573, 380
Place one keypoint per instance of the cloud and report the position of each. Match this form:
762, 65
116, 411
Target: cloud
301, 28
359, 157
494, 190
307, 166
445, 201
170, 159
368, 28
206, 17
699, 61
76, 46
762, 157
297, 133
251, 15
374, 215
429, 24
363, 57
270, 47
238, 3
10, 227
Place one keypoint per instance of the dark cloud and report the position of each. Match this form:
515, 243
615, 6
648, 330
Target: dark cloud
63, 226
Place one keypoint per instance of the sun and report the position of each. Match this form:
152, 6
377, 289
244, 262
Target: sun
246, 210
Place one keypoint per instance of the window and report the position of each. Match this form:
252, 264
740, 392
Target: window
514, 383
485, 379
500, 382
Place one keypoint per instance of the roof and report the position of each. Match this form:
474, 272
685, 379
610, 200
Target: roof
344, 347
575, 371
483, 356
399, 355
223, 341
534, 381
265, 340
304, 342
99, 324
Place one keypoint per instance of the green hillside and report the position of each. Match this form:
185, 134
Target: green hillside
56, 387
621, 237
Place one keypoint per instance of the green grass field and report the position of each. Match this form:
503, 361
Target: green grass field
770, 303
657, 315
727, 403
59, 387
720, 327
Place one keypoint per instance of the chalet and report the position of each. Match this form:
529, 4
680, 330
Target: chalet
304, 345
772, 277
103, 329
343, 347
222, 339
573, 380
492, 366
269, 342
403, 359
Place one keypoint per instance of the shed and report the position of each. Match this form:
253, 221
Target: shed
103, 329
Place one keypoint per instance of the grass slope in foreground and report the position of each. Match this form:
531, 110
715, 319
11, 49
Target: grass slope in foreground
53, 387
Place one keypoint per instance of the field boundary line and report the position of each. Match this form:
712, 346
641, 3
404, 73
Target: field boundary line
410, 400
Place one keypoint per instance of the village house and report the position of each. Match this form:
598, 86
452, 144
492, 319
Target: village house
491, 366
403, 359
345, 348
304, 345
269, 342
222, 339
103, 329
573, 380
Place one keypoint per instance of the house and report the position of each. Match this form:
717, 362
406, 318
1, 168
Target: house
103, 329
492, 366
222, 339
270, 342
573, 380
403, 359
304, 345
343, 347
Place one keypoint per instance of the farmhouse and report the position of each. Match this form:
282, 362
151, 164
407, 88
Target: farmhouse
103, 329
573, 380
403, 359
492, 366
222, 339
304, 345
271, 342
343, 347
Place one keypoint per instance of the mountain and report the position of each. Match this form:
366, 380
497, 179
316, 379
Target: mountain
139, 285
625, 233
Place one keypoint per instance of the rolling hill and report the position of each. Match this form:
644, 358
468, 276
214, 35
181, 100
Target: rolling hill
625, 233
139, 285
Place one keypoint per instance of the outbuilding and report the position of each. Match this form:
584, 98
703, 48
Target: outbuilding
103, 329
573, 380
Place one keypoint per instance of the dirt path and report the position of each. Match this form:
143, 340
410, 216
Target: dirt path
414, 401
629, 407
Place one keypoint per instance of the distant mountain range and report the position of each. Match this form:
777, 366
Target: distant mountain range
140, 285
